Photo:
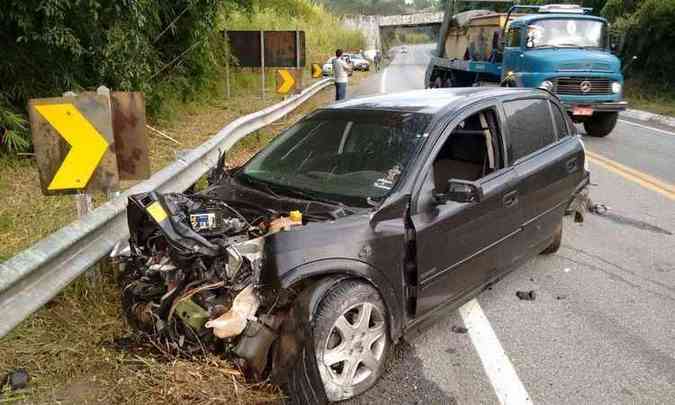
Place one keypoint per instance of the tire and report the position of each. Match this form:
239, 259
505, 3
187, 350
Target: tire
348, 353
557, 241
601, 124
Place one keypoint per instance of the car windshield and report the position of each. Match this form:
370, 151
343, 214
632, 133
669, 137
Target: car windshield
344, 156
564, 33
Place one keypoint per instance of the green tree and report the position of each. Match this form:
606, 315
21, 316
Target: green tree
51, 46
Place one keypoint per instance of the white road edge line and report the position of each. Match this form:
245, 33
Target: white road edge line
498, 367
383, 81
647, 127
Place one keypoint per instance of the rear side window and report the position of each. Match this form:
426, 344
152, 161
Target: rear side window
560, 121
530, 127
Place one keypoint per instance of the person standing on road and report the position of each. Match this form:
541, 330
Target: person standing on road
341, 69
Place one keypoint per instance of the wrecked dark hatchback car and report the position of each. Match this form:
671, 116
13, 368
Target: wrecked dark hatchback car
355, 227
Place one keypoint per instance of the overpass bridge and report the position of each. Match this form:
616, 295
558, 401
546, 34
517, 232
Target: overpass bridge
373, 26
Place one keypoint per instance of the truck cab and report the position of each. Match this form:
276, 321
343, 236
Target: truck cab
560, 48
567, 53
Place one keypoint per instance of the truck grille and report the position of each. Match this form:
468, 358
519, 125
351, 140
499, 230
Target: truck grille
582, 86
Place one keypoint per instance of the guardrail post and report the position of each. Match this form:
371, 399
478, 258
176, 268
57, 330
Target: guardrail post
83, 201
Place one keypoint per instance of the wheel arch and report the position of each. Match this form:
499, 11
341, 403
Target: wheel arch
324, 274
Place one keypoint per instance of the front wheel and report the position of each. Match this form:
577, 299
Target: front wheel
601, 124
351, 342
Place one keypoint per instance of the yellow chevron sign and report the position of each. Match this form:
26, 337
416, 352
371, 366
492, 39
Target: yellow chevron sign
285, 81
87, 145
74, 143
316, 70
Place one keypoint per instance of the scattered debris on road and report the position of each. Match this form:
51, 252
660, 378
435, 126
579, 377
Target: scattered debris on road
17, 379
459, 329
561, 297
599, 209
526, 295
581, 203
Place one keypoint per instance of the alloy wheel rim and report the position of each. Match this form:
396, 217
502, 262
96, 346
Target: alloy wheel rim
354, 348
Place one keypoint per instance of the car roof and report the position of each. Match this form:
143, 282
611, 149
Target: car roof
431, 101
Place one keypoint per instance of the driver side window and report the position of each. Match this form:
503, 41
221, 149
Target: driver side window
472, 150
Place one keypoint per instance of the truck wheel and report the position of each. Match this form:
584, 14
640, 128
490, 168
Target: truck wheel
557, 241
601, 123
351, 341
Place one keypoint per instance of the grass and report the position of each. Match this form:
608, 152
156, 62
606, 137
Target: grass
73, 352
642, 95
71, 347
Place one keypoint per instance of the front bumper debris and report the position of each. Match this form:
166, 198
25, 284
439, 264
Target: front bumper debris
191, 277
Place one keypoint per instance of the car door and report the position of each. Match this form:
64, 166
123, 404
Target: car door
457, 244
548, 164
513, 51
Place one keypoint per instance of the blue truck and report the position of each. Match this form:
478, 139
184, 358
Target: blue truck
560, 48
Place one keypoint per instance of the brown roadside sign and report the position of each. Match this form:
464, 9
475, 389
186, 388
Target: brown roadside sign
74, 143
131, 142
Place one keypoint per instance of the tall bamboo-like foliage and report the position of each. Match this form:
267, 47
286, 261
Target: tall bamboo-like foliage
51, 46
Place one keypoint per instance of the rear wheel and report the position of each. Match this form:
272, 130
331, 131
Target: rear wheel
601, 124
351, 341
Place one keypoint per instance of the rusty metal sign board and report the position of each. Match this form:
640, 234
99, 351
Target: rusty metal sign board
74, 143
131, 142
281, 48
245, 46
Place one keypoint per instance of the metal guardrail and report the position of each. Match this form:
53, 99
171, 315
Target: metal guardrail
36, 275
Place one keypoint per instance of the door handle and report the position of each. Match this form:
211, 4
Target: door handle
510, 199
571, 165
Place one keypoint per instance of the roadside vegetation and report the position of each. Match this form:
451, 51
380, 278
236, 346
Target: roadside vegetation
175, 93
75, 348
172, 50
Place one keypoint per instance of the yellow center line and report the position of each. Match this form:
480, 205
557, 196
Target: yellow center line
633, 175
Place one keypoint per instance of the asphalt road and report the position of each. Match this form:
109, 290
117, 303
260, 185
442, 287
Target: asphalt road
602, 327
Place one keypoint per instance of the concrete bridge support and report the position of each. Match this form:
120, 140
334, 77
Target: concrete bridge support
372, 25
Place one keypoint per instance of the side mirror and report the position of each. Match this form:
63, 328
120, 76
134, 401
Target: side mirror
615, 43
460, 191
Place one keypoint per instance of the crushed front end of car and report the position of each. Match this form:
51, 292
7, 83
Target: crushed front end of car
191, 277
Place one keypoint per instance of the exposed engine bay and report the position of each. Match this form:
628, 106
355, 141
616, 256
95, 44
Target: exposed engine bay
191, 279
